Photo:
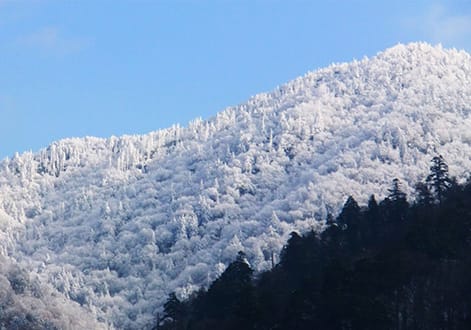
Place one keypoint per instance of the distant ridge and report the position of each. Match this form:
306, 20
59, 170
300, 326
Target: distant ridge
116, 224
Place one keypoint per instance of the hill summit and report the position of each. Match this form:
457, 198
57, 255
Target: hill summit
114, 225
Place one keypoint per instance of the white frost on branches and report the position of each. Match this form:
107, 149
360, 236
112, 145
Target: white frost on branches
116, 224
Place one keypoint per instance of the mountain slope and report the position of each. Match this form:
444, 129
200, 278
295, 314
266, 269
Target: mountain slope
116, 224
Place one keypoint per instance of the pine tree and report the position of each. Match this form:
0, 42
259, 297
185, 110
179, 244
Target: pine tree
292, 253
372, 204
350, 213
438, 180
372, 220
351, 222
395, 205
175, 314
230, 299
424, 196
395, 192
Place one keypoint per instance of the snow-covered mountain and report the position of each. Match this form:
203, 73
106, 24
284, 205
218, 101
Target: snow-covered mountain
115, 225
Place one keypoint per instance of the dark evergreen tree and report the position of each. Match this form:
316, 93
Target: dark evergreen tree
438, 180
350, 213
333, 241
395, 205
350, 220
230, 299
292, 253
396, 194
415, 275
175, 314
424, 196
373, 205
373, 221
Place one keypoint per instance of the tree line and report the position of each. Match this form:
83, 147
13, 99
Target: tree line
387, 265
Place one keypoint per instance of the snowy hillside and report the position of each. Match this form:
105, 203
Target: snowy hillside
116, 224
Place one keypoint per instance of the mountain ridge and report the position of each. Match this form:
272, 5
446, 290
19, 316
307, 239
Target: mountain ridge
168, 210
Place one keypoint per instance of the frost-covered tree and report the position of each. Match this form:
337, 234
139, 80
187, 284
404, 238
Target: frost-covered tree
116, 224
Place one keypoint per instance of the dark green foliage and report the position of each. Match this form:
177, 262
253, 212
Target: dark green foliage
350, 212
396, 202
230, 299
438, 180
424, 196
350, 220
229, 303
395, 193
175, 313
385, 266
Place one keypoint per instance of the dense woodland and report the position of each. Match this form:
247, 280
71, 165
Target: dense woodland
114, 225
387, 265
108, 227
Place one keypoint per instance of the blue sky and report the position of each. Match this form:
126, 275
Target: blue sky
111, 67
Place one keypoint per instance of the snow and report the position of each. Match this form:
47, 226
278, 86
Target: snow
116, 224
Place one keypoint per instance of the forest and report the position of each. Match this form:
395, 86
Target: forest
392, 264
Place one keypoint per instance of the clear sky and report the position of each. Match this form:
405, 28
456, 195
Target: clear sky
112, 67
